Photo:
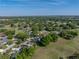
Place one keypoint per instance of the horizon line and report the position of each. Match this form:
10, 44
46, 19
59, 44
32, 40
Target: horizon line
37, 15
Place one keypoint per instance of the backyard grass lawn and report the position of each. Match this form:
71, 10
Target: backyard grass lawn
54, 50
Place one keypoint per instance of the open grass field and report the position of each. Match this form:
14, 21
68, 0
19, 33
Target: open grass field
54, 50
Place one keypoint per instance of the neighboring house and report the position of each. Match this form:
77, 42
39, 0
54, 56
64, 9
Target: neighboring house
43, 33
30, 32
27, 44
16, 49
14, 39
3, 38
28, 28
37, 39
2, 51
56, 32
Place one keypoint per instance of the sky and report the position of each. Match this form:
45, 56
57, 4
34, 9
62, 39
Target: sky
38, 7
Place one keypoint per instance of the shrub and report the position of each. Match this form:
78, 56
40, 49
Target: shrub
10, 36
68, 34
49, 38
54, 37
45, 40
74, 56
21, 35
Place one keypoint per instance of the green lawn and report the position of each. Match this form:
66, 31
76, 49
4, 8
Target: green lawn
54, 50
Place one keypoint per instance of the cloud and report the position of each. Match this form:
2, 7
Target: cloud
57, 2
31, 2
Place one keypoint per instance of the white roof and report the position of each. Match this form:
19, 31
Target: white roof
16, 49
1, 50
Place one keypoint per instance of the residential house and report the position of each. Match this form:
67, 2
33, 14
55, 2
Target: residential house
3, 38
16, 49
